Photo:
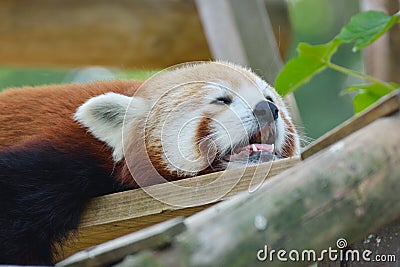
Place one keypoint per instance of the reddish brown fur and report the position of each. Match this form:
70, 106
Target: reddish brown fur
147, 160
45, 112
289, 148
202, 132
147, 177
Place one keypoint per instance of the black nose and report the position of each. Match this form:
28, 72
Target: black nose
266, 111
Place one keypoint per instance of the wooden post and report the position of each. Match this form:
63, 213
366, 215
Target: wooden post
382, 57
221, 31
241, 32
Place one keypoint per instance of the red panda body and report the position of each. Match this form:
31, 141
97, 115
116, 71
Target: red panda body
45, 114
61, 145
42, 147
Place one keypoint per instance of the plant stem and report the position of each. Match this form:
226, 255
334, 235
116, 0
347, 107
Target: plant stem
359, 74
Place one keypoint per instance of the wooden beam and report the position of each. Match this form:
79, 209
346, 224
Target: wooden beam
114, 250
111, 216
126, 34
387, 105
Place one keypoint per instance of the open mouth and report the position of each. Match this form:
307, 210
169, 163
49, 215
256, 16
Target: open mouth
260, 145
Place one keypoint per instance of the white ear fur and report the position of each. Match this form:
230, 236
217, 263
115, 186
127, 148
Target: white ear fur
104, 115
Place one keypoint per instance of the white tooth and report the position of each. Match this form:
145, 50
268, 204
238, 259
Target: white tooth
273, 147
254, 147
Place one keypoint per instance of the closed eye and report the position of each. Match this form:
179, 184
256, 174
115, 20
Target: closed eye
270, 99
223, 100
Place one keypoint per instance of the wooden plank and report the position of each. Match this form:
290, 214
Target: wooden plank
126, 34
384, 107
114, 250
311, 206
111, 216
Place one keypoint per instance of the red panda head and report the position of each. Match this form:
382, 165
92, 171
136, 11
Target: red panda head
194, 119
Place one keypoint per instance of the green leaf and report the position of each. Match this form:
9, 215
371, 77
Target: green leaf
364, 28
374, 89
311, 60
363, 101
367, 95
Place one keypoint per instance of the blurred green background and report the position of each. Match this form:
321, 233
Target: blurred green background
321, 104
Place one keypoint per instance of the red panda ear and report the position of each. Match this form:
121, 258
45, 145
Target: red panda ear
104, 115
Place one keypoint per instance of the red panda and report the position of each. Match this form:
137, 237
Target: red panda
60, 145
